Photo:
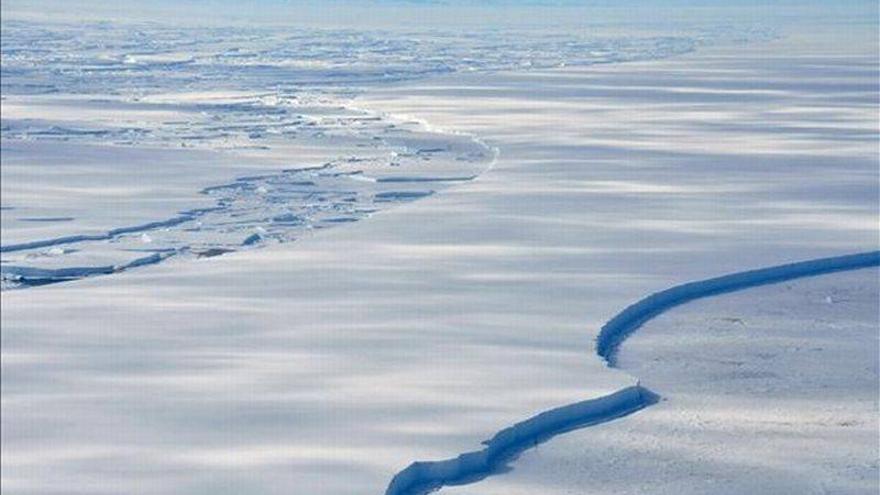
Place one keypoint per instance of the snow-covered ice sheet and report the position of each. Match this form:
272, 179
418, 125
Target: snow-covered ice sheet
330, 365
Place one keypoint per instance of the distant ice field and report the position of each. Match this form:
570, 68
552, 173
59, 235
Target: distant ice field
128, 144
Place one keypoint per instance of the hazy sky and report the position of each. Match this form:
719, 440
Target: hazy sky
442, 13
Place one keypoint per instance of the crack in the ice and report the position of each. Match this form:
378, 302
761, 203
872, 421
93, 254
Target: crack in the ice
617, 329
34, 277
105, 236
248, 212
422, 477
273, 207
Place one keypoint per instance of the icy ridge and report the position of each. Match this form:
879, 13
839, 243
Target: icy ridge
423, 477
617, 329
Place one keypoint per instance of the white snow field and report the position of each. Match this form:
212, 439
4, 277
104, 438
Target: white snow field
329, 365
